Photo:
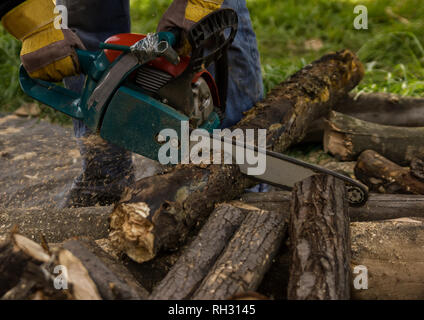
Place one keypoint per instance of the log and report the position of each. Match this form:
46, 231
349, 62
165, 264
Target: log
200, 256
19, 256
392, 253
388, 206
161, 211
417, 168
382, 108
148, 274
378, 207
56, 225
384, 176
28, 272
246, 259
319, 241
346, 138
113, 280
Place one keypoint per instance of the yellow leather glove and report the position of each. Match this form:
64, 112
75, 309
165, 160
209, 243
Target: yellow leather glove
47, 53
184, 14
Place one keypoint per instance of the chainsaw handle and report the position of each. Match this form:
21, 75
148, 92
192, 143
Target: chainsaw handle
210, 34
57, 97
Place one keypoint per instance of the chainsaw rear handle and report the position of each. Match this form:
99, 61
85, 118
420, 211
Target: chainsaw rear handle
215, 33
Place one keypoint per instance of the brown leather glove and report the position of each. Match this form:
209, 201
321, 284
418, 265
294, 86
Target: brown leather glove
47, 53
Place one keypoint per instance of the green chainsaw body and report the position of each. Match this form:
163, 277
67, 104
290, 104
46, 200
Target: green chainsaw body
131, 119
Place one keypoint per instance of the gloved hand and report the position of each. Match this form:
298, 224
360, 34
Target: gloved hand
184, 14
47, 53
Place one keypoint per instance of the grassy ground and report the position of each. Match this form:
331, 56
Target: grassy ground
292, 33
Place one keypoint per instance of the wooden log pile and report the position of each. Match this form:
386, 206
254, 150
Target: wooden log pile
192, 232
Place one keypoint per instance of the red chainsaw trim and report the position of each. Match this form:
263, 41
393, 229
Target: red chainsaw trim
128, 39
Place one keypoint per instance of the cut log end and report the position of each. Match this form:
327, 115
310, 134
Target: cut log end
132, 231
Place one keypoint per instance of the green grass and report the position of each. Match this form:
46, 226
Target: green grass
391, 48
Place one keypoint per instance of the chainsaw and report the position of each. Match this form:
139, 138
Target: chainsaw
137, 85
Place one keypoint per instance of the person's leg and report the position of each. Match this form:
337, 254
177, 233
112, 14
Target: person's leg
245, 86
107, 169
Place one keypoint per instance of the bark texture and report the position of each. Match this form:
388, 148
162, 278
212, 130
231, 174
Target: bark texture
384, 176
162, 210
200, 256
388, 206
382, 108
112, 279
346, 138
246, 259
319, 241
378, 207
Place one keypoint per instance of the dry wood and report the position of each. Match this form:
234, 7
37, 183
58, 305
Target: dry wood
29, 271
319, 240
246, 259
19, 256
417, 168
82, 285
384, 176
200, 256
113, 280
378, 206
388, 206
392, 252
382, 108
162, 210
346, 138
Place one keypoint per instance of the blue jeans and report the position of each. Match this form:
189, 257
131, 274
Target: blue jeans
245, 87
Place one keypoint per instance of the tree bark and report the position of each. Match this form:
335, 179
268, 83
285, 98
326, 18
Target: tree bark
392, 253
417, 169
162, 210
112, 279
378, 207
383, 176
246, 259
388, 206
319, 241
382, 108
19, 255
200, 256
346, 138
